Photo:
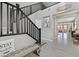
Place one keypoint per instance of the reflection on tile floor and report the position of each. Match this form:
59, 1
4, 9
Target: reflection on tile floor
64, 37
62, 47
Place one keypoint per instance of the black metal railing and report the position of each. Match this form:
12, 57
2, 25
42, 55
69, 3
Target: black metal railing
13, 21
30, 9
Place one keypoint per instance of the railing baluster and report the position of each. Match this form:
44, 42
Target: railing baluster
34, 31
21, 26
24, 23
17, 18
31, 28
16, 21
39, 36
7, 19
27, 25
1, 18
12, 20
21, 23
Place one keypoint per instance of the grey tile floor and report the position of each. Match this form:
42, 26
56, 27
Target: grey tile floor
61, 47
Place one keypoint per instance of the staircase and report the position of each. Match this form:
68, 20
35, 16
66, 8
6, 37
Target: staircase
24, 25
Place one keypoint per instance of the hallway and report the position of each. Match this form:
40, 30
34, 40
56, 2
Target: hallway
59, 48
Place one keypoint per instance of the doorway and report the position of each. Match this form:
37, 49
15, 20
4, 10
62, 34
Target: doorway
64, 25
64, 30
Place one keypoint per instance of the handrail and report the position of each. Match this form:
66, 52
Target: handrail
28, 27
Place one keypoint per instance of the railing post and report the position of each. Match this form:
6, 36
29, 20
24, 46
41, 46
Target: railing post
39, 36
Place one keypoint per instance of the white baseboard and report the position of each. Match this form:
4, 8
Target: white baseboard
47, 39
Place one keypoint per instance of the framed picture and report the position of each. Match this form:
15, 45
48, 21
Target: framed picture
46, 22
